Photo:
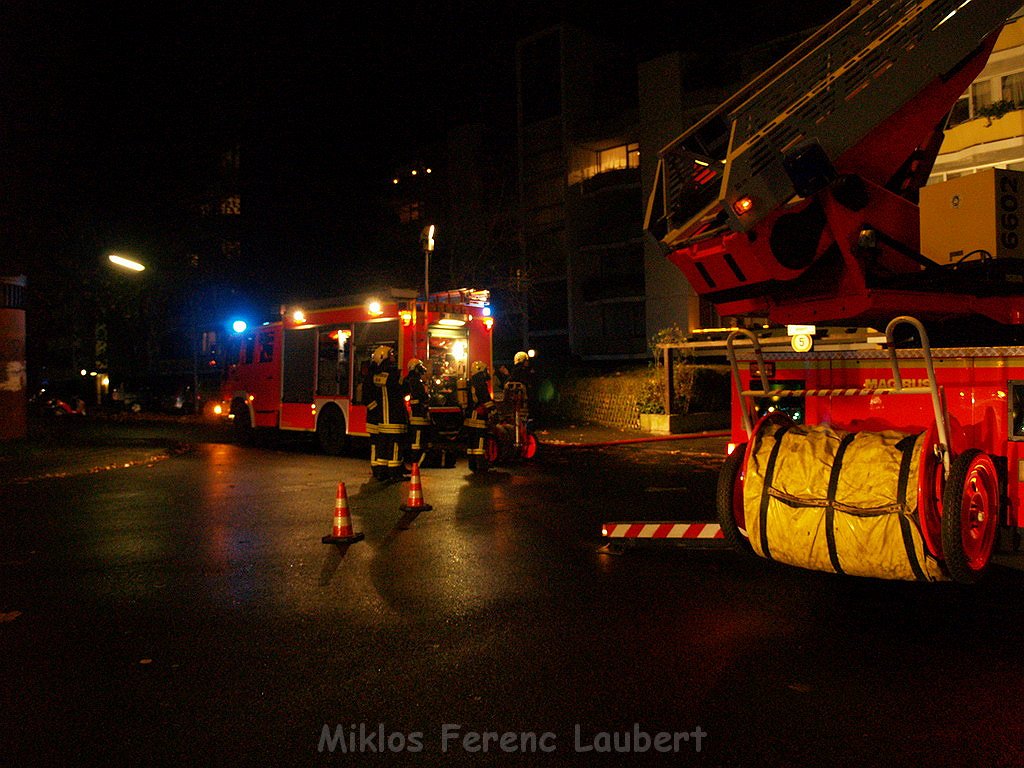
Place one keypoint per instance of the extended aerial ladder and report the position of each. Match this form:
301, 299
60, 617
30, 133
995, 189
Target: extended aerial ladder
796, 199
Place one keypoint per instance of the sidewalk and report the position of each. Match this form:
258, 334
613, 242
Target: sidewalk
594, 435
70, 446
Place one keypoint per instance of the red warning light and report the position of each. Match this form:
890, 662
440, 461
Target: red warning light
743, 205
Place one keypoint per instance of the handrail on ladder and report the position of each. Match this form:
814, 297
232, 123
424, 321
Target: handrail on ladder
932, 389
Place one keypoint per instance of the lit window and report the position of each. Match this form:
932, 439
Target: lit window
981, 95
1013, 88
961, 112
613, 159
588, 163
410, 212
231, 206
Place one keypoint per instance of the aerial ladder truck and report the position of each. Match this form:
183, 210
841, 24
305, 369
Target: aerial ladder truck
893, 448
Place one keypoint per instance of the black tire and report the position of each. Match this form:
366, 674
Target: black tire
969, 532
729, 484
331, 435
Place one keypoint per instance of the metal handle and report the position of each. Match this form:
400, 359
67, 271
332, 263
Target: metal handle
933, 387
748, 426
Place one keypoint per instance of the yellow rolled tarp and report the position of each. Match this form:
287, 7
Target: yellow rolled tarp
843, 502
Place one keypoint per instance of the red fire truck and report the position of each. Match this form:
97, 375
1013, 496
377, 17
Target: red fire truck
801, 201
304, 372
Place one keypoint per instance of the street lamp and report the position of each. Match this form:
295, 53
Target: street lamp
193, 310
126, 263
427, 241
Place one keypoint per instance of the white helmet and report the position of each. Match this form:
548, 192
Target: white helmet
479, 365
380, 354
521, 357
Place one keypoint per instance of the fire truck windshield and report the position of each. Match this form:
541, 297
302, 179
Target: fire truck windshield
446, 365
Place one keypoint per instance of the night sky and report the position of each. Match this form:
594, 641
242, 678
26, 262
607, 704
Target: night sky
109, 113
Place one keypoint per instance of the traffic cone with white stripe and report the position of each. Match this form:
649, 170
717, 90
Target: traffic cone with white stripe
415, 501
341, 528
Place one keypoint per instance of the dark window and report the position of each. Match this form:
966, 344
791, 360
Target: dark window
1016, 417
297, 373
549, 306
265, 348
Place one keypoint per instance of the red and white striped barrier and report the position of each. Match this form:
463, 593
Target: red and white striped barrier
662, 530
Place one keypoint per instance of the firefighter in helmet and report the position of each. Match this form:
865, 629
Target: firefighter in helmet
415, 392
386, 416
519, 389
520, 368
480, 406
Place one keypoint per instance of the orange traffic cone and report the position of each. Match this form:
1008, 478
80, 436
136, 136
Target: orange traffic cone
341, 529
415, 502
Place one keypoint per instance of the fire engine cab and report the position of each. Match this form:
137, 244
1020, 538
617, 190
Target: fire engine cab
882, 435
305, 371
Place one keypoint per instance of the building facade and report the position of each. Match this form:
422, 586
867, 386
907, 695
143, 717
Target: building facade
986, 127
581, 263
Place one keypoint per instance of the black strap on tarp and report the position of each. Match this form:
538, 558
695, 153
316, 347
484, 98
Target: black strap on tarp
830, 510
769, 474
906, 447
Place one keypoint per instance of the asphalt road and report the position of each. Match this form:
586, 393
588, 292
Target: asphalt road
185, 611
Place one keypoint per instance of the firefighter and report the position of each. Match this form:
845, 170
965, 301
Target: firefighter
386, 416
522, 373
480, 399
480, 406
415, 391
520, 392
521, 370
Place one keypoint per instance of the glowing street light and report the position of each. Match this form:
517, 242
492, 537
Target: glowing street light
427, 241
126, 263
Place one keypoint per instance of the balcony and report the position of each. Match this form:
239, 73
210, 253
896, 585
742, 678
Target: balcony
617, 179
982, 130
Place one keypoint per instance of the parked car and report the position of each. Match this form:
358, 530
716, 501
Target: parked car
59, 399
164, 394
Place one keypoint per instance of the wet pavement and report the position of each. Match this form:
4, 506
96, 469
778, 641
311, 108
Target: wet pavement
186, 612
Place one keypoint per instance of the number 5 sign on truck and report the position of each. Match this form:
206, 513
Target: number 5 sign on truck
304, 373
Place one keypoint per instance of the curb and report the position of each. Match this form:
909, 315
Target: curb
633, 440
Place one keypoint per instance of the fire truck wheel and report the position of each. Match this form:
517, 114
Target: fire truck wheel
970, 515
330, 431
930, 487
529, 446
729, 500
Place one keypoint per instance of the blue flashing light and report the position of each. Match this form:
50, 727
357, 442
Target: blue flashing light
239, 326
